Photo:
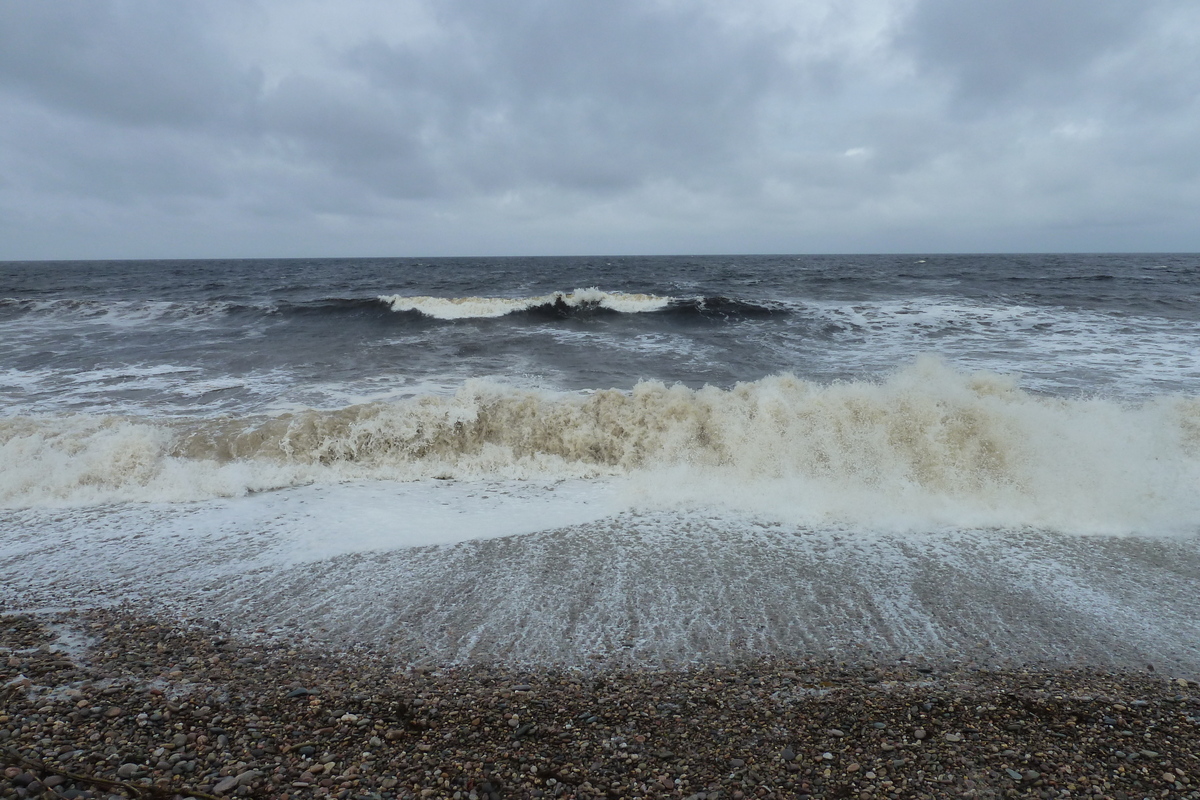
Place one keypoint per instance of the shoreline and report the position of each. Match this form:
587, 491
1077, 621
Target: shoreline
186, 709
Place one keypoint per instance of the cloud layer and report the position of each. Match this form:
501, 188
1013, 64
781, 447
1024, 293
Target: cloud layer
140, 129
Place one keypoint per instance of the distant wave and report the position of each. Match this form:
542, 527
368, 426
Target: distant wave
929, 446
579, 301
488, 307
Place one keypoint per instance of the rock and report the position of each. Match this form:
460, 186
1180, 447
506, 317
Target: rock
737, 763
1012, 773
226, 784
788, 754
836, 732
953, 737
920, 733
127, 771
1032, 775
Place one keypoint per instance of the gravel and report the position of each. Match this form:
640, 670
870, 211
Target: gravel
139, 706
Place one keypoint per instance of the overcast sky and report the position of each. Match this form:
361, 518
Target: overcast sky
475, 127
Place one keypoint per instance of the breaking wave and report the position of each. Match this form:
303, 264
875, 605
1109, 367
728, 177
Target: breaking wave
484, 307
927, 446
580, 301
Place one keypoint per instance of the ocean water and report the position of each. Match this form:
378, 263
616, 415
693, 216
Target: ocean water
647, 460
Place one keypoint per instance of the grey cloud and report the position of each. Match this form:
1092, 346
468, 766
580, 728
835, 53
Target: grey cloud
611, 125
992, 49
591, 96
137, 63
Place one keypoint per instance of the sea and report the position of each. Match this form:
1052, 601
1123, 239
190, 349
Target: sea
616, 460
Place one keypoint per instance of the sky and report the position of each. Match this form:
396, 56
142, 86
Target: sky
133, 129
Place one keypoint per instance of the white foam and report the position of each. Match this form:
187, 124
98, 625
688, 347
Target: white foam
1055, 349
489, 307
928, 446
321, 522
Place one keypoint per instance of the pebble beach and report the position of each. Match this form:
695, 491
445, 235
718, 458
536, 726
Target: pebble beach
118, 703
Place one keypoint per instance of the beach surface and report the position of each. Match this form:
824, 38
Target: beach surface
115, 703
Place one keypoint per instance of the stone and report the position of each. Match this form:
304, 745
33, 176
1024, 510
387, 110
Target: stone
226, 784
127, 771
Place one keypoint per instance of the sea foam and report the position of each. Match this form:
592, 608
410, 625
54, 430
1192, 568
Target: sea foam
929, 446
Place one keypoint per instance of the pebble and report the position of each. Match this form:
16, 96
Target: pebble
226, 784
363, 729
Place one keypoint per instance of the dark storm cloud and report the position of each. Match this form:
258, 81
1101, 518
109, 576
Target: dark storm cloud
534, 126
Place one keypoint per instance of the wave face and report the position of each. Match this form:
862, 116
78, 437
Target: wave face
927, 446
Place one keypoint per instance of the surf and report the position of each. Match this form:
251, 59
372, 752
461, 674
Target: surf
926, 446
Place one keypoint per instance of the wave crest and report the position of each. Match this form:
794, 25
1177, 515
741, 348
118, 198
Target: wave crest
927, 446
449, 308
